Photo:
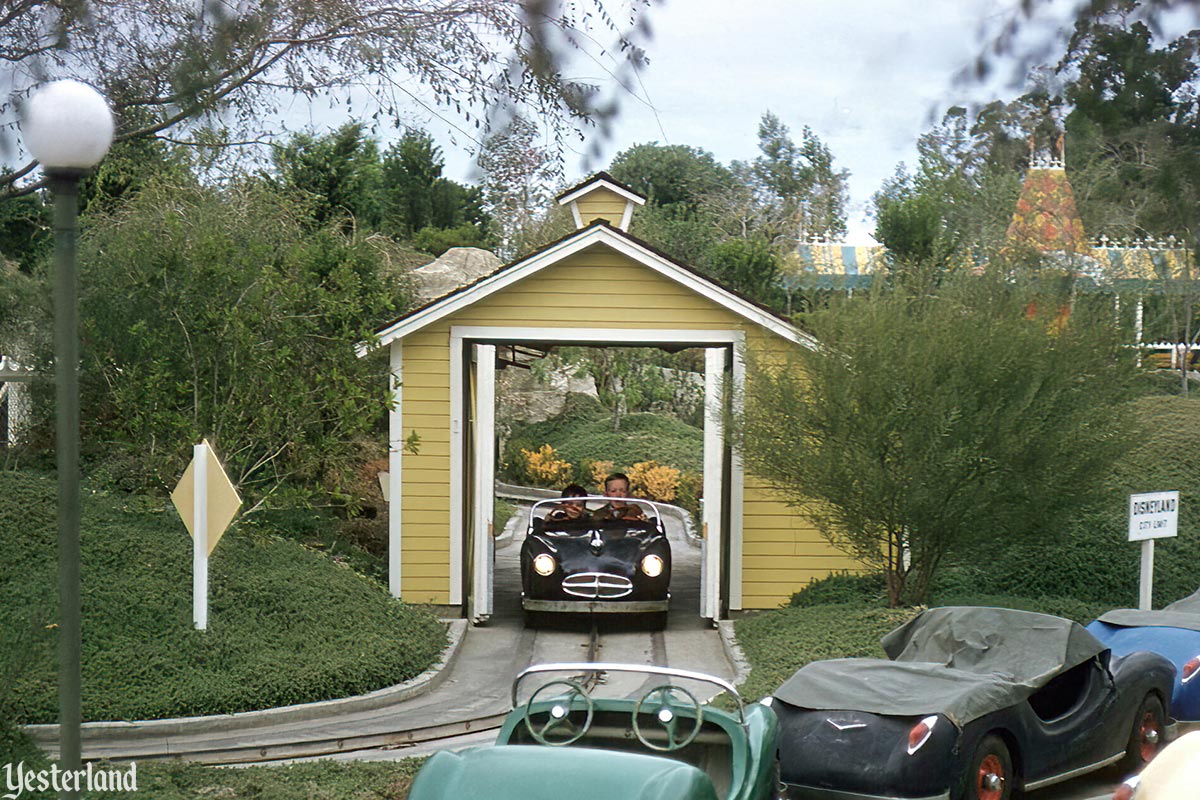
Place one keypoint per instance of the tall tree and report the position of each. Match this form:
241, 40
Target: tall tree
519, 175
340, 174
924, 423
178, 62
679, 183
1134, 127
675, 178
417, 196
799, 182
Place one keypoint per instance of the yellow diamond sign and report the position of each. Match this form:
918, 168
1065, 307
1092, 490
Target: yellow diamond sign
223, 500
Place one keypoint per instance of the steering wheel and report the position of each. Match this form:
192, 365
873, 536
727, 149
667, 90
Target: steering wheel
560, 715
667, 702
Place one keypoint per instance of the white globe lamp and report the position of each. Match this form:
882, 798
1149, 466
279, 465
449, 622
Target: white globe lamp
67, 126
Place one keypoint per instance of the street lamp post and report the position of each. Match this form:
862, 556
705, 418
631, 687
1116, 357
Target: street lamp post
68, 127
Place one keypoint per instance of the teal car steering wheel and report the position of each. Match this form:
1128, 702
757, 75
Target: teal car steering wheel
560, 729
666, 704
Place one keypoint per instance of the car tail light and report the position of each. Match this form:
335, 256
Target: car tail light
920, 734
1190, 669
1125, 790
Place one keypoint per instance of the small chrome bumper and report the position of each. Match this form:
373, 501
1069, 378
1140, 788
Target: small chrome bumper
596, 606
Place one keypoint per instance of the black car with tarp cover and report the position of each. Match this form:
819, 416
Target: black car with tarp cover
970, 704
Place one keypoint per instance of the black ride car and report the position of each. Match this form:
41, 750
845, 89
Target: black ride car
974, 704
598, 566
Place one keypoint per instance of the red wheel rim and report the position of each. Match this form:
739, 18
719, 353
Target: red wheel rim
985, 787
1148, 736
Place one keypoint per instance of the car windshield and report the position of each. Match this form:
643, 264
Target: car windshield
543, 509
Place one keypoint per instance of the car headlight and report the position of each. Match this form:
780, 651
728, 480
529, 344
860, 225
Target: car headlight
652, 566
543, 564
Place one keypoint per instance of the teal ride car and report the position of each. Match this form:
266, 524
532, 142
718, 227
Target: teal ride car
665, 740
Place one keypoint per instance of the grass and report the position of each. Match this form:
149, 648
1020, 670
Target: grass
313, 780
502, 512
287, 624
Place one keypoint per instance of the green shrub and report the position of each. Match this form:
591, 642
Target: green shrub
1093, 561
842, 587
581, 439
502, 511
287, 624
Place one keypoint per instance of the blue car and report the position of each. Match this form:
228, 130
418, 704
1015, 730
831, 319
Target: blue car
1173, 632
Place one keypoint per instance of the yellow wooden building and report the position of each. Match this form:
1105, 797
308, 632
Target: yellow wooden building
598, 286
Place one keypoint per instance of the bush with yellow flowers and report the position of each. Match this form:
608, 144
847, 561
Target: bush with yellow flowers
654, 480
545, 468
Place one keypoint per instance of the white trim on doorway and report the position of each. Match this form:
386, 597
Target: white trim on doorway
395, 465
461, 334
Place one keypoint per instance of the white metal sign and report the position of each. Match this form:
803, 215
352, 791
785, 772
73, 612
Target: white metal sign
1153, 516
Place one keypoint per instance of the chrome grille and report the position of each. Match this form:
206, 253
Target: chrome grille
597, 585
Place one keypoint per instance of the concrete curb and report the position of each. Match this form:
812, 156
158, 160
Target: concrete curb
734, 653
510, 527
47, 735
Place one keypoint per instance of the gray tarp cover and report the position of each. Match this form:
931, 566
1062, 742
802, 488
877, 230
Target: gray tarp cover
1183, 613
962, 662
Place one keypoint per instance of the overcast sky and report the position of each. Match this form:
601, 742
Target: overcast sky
868, 76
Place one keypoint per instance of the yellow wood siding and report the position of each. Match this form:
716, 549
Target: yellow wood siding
601, 203
597, 288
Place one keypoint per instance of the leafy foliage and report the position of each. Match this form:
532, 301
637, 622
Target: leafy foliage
749, 267
1092, 560
220, 313
1133, 123
735, 223
654, 480
287, 625
588, 442
417, 199
924, 423
799, 182
545, 468
518, 177
168, 66
674, 178
633, 379
346, 183
339, 174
